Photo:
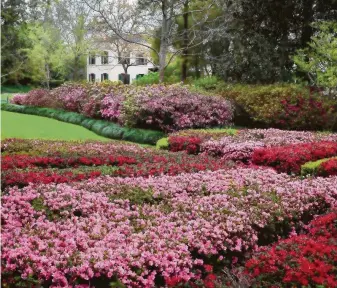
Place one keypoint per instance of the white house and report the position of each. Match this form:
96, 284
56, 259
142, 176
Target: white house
110, 65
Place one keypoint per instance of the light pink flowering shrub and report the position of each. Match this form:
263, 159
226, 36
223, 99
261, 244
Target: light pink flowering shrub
18, 99
69, 234
241, 146
111, 107
171, 108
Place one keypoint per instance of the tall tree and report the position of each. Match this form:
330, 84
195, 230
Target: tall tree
142, 25
73, 19
12, 40
47, 57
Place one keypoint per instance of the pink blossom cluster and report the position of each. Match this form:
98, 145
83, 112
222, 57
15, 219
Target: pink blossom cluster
85, 231
18, 99
241, 146
174, 107
111, 107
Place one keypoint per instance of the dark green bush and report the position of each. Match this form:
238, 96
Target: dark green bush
101, 127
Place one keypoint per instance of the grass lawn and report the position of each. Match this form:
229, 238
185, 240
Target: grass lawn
15, 125
5, 96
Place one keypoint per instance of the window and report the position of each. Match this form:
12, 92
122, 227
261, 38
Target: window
105, 57
92, 77
124, 58
104, 76
141, 60
92, 59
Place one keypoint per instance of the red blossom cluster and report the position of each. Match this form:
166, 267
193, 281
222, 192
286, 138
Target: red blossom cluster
308, 260
189, 144
328, 168
49, 169
23, 178
303, 113
290, 158
207, 279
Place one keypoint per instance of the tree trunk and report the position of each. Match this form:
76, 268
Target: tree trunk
47, 76
75, 76
163, 43
185, 51
308, 17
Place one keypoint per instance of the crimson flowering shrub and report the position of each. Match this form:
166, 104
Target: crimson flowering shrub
290, 158
328, 168
189, 144
24, 178
302, 260
18, 99
171, 108
25, 161
306, 113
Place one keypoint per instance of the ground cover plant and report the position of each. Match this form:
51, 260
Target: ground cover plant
100, 214
47, 162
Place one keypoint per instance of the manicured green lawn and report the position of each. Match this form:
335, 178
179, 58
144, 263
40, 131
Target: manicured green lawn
15, 125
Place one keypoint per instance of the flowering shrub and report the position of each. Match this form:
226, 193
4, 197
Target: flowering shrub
189, 144
328, 168
111, 107
18, 99
65, 234
39, 98
171, 108
231, 149
286, 106
303, 260
133, 161
290, 158
304, 113
71, 97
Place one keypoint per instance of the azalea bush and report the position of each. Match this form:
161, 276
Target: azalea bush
169, 226
290, 158
303, 260
189, 144
166, 108
174, 107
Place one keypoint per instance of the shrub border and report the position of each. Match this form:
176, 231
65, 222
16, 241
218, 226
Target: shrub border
100, 127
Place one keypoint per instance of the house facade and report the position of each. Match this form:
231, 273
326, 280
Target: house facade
110, 65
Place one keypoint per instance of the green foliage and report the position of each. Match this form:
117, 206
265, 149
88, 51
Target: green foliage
214, 133
47, 57
135, 195
319, 60
101, 127
162, 144
172, 75
206, 83
311, 168
15, 88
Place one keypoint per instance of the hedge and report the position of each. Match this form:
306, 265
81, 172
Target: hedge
101, 127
